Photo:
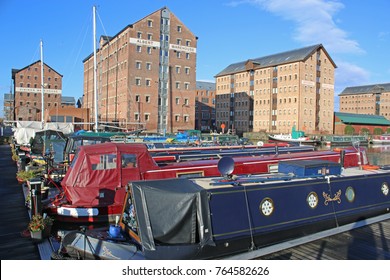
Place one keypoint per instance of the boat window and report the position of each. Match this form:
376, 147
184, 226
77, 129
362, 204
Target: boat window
91, 142
103, 162
76, 144
198, 174
273, 168
129, 160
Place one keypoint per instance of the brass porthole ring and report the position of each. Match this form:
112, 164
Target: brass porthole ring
312, 200
385, 188
350, 194
267, 206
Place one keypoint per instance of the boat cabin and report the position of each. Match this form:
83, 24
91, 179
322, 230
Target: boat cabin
204, 218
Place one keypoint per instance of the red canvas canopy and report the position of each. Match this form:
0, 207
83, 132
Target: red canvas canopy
100, 172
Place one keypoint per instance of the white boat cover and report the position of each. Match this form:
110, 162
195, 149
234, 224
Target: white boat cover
25, 130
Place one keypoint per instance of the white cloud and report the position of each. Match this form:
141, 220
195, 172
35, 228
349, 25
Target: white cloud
314, 22
348, 74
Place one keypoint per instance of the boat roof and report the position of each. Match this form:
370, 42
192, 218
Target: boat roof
213, 183
109, 147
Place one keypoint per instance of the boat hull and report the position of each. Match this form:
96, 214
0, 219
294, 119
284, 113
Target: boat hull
106, 212
380, 142
340, 202
304, 140
336, 140
229, 217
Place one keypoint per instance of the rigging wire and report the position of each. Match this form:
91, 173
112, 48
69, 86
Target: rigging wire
86, 29
35, 54
118, 69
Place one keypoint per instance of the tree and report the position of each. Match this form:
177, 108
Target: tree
364, 131
349, 130
378, 131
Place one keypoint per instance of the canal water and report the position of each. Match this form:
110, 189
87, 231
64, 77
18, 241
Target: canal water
379, 154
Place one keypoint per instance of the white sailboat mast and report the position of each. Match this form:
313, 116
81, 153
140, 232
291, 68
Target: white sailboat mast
95, 69
42, 90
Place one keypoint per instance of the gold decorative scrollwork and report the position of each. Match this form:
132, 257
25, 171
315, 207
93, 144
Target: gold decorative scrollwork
107, 252
335, 198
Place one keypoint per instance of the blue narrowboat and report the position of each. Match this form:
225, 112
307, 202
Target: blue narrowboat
208, 218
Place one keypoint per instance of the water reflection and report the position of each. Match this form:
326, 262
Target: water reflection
378, 154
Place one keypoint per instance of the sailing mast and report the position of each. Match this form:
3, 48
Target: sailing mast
42, 91
95, 69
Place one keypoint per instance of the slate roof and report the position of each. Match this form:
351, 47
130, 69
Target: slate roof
348, 118
366, 89
205, 85
109, 38
68, 100
275, 59
15, 71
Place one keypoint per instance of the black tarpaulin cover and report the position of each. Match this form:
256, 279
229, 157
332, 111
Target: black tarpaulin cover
171, 211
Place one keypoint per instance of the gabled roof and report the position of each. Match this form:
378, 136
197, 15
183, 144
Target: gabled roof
368, 89
68, 100
348, 118
274, 59
15, 71
107, 38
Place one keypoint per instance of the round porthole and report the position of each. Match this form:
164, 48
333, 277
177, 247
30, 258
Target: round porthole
312, 200
385, 188
350, 194
267, 206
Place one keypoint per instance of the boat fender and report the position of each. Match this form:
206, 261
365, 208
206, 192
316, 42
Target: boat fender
370, 167
260, 144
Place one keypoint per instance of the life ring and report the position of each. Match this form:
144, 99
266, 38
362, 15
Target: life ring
370, 167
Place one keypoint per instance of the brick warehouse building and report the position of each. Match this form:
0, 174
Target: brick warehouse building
276, 92
28, 91
146, 75
205, 106
366, 99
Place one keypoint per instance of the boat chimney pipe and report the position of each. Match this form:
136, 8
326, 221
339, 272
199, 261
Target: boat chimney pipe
342, 158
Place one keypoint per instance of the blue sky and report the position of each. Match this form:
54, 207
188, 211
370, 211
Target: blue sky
356, 34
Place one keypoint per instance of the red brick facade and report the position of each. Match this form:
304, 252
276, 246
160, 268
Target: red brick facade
28, 91
135, 67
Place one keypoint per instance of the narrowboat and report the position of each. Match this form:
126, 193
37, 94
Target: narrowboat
94, 184
383, 139
296, 136
344, 140
211, 218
